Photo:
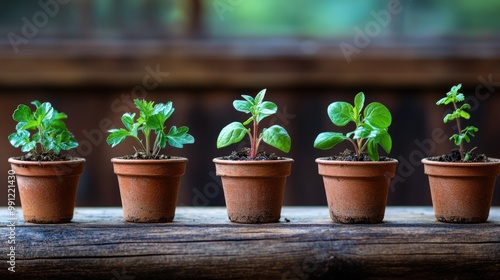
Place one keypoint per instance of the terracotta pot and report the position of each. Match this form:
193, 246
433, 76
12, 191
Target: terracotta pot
47, 189
253, 190
149, 188
356, 191
462, 192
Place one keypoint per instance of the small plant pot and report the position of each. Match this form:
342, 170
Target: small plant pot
149, 188
462, 192
253, 190
356, 191
47, 189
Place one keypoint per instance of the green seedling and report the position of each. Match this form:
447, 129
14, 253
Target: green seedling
371, 127
50, 134
275, 136
151, 121
454, 97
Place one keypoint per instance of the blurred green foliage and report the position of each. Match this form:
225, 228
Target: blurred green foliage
255, 18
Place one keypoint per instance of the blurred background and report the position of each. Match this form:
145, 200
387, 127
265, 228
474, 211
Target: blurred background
90, 59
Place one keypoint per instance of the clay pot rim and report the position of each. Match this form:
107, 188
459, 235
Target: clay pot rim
219, 160
493, 161
16, 160
325, 160
148, 161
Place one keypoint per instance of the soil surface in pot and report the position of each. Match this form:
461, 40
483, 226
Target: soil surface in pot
454, 156
44, 157
140, 155
244, 153
350, 155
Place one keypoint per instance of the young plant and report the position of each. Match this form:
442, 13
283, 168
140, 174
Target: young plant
371, 127
454, 97
50, 132
151, 120
275, 136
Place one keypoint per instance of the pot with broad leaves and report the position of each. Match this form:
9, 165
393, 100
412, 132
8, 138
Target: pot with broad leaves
357, 182
254, 181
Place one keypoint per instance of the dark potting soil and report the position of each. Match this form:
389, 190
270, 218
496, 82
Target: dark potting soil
140, 155
45, 157
454, 156
244, 154
350, 155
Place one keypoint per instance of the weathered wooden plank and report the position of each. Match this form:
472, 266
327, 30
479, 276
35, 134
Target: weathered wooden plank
203, 244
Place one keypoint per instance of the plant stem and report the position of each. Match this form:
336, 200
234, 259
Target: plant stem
253, 144
355, 146
461, 148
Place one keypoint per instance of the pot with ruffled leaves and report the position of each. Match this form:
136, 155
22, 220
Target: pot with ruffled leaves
47, 179
149, 182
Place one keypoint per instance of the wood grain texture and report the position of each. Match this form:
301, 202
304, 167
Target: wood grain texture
201, 243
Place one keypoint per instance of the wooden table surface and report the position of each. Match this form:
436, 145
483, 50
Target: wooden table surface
201, 243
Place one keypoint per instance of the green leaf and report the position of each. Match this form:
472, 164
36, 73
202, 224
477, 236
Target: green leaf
384, 139
265, 109
470, 130
456, 139
250, 99
156, 123
23, 114
230, 134
260, 97
464, 114
177, 137
363, 131
372, 147
19, 138
340, 113
444, 101
328, 140
242, 106
276, 136
377, 115
128, 120
145, 110
65, 141
44, 112
59, 116
359, 102
117, 136
36, 103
